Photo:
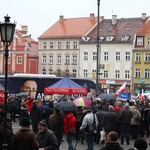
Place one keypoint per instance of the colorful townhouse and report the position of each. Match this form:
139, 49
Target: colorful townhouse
141, 60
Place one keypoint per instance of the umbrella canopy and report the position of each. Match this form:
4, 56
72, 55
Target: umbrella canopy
65, 86
22, 94
107, 96
65, 106
82, 101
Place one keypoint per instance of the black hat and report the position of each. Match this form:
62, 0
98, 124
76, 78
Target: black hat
42, 123
140, 144
25, 121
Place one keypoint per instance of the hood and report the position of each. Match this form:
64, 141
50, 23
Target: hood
69, 116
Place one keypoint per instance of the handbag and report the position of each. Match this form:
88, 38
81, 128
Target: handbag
72, 131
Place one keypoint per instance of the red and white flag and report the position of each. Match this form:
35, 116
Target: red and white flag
121, 89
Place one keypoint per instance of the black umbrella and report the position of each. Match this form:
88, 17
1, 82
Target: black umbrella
107, 96
65, 106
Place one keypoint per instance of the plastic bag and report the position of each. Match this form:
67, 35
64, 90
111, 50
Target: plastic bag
103, 135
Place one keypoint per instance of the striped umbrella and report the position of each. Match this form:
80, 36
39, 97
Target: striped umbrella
82, 101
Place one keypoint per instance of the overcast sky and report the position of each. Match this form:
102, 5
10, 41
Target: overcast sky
39, 15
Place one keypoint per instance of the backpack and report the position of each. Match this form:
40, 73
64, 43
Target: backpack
91, 127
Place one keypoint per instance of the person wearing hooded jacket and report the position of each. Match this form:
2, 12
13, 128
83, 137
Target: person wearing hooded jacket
112, 143
69, 122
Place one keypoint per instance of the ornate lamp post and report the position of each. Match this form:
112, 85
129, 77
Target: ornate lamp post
7, 32
98, 50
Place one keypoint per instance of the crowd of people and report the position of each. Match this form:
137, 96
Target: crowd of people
43, 126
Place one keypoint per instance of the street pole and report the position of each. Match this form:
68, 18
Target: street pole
98, 49
7, 33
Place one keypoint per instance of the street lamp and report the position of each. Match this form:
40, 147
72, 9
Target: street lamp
7, 32
98, 50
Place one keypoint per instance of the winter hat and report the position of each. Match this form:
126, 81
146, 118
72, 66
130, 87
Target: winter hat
42, 123
25, 121
140, 144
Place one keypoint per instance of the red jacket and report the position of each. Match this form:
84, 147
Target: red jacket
69, 122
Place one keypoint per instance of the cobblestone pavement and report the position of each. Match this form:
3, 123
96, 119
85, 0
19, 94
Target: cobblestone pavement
79, 145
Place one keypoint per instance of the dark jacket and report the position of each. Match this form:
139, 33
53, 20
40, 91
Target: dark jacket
112, 146
34, 114
109, 121
9, 136
24, 139
100, 115
125, 116
47, 140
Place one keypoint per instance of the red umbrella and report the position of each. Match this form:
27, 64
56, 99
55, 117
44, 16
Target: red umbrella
82, 101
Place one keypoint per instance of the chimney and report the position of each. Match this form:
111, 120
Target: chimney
61, 18
24, 29
114, 19
92, 17
143, 16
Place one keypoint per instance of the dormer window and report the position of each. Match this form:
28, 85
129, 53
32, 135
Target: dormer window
140, 41
125, 37
101, 38
110, 38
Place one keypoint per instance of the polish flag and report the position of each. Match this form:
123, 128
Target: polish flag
121, 89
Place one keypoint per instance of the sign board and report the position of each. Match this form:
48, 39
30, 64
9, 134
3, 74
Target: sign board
125, 96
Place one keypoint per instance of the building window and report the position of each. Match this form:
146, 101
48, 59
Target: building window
67, 45
105, 56
19, 60
59, 45
117, 74
51, 59
148, 41
147, 73
74, 59
137, 73
138, 57
59, 72
44, 45
75, 45
117, 56
127, 74
51, 45
85, 73
67, 59
50, 71
44, 71
105, 74
67, 72
147, 57
74, 73
94, 74
43, 59
85, 55
59, 59
94, 55
127, 56
139, 41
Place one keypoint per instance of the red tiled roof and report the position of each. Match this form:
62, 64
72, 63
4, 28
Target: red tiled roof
124, 26
145, 29
73, 27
